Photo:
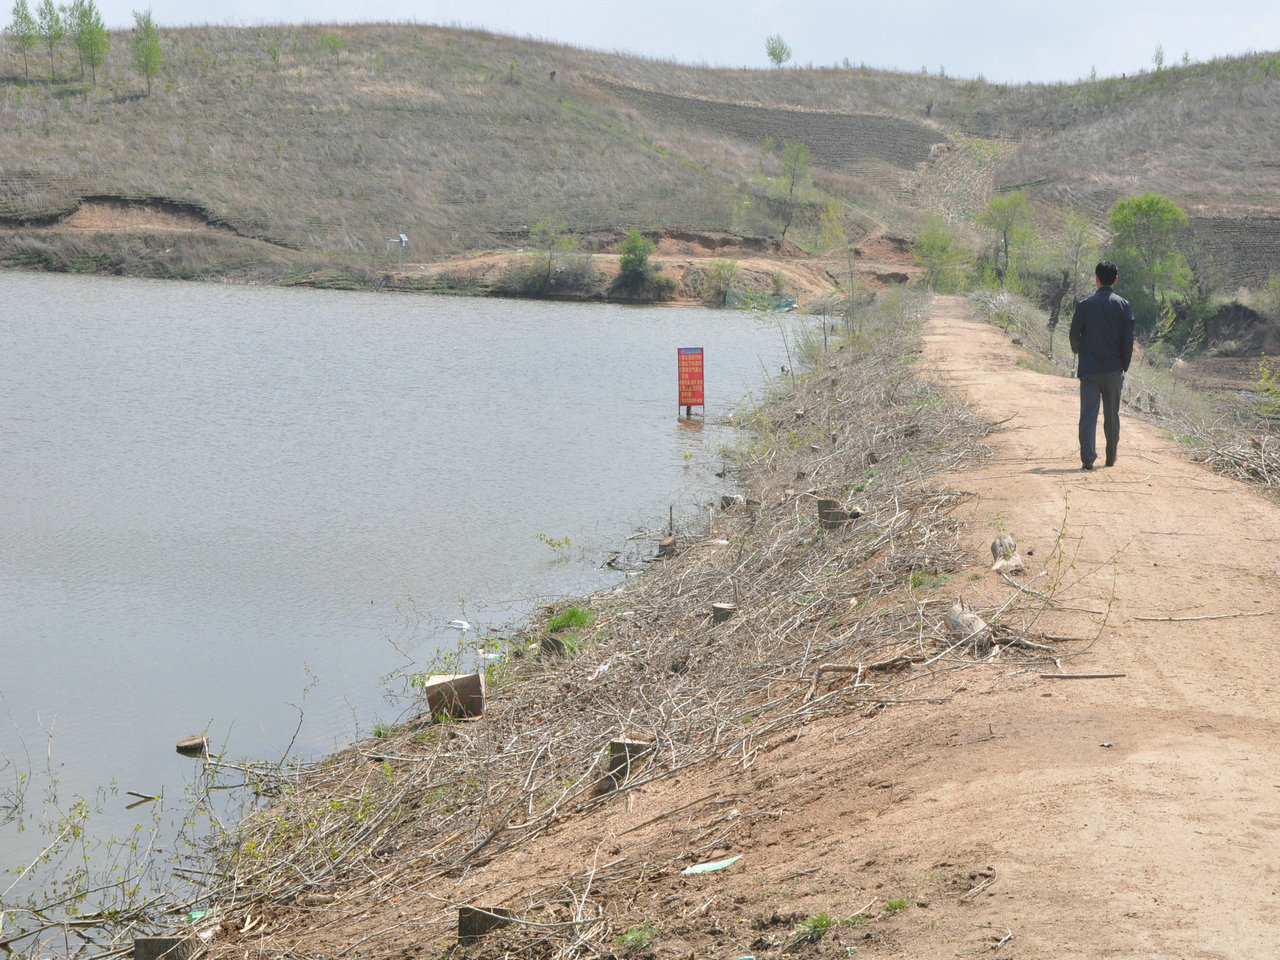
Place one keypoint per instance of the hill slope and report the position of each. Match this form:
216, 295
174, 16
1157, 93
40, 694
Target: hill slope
322, 140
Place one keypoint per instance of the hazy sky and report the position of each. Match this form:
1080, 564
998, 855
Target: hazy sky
1003, 40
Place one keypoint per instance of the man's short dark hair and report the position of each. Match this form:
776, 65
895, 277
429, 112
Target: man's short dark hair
1106, 272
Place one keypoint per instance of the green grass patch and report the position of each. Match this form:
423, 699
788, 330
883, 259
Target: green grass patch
635, 939
815, 926
574, 618
928, 579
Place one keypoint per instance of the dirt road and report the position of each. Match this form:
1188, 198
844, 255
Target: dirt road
1138, 816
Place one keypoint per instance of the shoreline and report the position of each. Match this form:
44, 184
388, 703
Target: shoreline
156, 239
649, 641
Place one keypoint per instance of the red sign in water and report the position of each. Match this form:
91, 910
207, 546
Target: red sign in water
690, 359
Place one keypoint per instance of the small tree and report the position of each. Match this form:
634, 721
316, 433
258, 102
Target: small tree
89, 34
834, 238
797, 164
73, 14
1269, 298
634, 260
25, 32
777, 50
52, 29
937, 250
1079, 251
1147, 232
334, 44
1008, 215
552, 237
146, 47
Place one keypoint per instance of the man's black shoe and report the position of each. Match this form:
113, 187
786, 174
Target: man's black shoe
1086, 466
1111, 462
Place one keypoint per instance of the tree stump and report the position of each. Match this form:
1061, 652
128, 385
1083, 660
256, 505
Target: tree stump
455, 695
477, 921
964, 623
722, 611
166, 948
666, 547
1005, 554
832, 514
193, 746
624, 756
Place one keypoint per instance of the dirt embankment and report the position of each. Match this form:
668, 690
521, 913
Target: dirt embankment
763, 264
1107, 793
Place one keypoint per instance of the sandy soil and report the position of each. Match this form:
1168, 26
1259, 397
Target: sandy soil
881, 262
1000, 813
1009, 815
1134, 816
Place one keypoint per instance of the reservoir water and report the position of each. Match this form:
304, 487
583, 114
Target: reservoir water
224, 509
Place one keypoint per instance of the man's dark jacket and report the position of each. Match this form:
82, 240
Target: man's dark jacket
1102, 333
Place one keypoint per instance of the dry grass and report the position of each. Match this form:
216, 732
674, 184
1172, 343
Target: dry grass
830, 621
464, 140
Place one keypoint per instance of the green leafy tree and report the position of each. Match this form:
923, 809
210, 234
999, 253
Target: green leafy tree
334, 44
146, 47
634, 260
552, 238
797, 167
1147, 232
1009, 217
72, 15
1266, 389
834, 238
1079, 252
777, 49
937, 250
89, 34
25, 33
52, 28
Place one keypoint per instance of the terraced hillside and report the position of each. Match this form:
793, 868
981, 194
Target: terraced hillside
838, 141
320, 141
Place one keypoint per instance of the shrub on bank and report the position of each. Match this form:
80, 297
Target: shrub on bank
574, 276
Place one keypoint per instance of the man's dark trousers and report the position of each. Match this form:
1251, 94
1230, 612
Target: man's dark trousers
1099, 389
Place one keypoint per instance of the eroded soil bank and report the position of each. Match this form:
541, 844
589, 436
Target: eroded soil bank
1094, 774
166, 240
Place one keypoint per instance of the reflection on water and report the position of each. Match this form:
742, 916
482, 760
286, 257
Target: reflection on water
228, 508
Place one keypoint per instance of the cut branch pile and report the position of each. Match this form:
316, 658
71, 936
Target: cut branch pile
827, 619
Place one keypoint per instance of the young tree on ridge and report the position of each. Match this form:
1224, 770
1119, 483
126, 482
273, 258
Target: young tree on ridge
51, 28
777, 50
89, 34
146, 47
24, 32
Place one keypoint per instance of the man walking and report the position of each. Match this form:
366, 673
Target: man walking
1102, 337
